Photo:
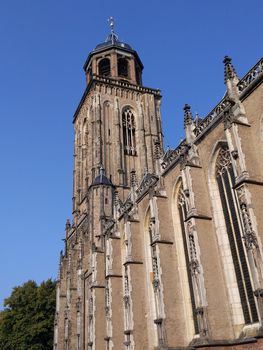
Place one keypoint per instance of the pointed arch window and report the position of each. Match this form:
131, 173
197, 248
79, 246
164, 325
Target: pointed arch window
225, 180
128, 126
104, 67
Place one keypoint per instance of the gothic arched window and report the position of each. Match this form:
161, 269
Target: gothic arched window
123, 67
128, 126
104, 67
225, 181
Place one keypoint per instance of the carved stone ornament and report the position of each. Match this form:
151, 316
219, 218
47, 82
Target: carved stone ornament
78, 305
156, 284
194, 263
183, 161
126, 300
154, 234
148, 181
157, 149
90, 306
172, 155
251, 76
216, 113
235, 154
108, 225
228, 119
125, 207
194, 267
249, 237
133, 178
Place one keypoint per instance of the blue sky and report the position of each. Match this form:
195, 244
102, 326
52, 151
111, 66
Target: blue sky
43, 47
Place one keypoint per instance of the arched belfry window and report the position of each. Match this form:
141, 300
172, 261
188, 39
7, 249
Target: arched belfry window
225, 181
123, 70
104, 67
128, 126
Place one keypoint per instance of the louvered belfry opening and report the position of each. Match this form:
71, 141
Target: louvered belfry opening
128, 125
183, 214
123, 67
225, 180
104, 67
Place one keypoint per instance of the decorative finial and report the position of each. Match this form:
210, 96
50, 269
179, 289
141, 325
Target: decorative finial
111, 23
197, 118
113, 37
229, 71
102, 170
68, 225
133, 178
116, 198
188, 118
157, 149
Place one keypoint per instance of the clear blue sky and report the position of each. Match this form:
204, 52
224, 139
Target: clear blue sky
44, 44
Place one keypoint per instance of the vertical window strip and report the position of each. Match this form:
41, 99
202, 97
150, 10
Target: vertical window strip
240, 245
225, 180
234, 253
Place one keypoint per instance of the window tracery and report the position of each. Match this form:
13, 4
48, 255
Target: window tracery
223, 161
128, 125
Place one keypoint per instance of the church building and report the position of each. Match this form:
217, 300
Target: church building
165, 248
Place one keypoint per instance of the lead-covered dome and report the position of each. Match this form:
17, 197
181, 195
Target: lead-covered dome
112, 40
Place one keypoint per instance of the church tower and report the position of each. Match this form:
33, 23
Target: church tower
117, 120
117, 136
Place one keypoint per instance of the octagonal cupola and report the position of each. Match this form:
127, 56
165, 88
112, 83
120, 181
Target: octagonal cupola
114, 59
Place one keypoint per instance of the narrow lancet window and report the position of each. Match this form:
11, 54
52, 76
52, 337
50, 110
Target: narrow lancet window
225, 181
128, 125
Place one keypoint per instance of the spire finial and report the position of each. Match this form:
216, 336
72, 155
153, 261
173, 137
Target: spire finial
113, 37
229, 71
111, 23
102, 170
188, 118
